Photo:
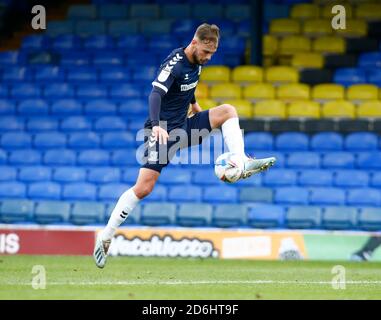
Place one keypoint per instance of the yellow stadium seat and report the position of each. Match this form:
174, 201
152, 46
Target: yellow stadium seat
305, 11
215, 74
247, 74
270, 109
317, 27
304, 109
244, 107
307, 60
259, 91
327, 10
202, 91
223, 91
369, 109
360, 92
270, 45
354, 28
293, 91
327, 91
338, 109
206, 104
281, 74
329, 44
368, 11
283, 27
292, 44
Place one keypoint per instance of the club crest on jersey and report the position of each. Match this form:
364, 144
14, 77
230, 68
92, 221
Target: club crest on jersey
164, 74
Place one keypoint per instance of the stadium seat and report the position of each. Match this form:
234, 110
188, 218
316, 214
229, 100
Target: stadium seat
291, 196
291, 141
329, 44
14, 74
59, 157
15, 140
79, 191
31, 107
284, 27
256, 194
215, 74
66, 107
243, 107
120, 28
24, 157
247, 74
117, 140
310, 60
69, 174
109, 123
9, 57
158, 214
3, 157
12, 190
338, 109
87, 213
176, 10
317, 27
315, 178
279, 177
34, 174
125, 157
269, 45
85, 28
218, 194
83, 140
305, 11
265, 216
338, 160
49, 140
146, 11
303, 160
111, 191
93, 157
49, 212
103, 175
303, 217
293, 92
354, 28
36, 125
184, 194
44, 190
370, 59
326, 11
293, 44
281, 74
49, 73
237, 12
99, 93
82, 12
327, 196
327, 141
225, 91
202, 91
78, 58
25, 91
304, 109
351, 179
364, 197
375, 179
369, 160
113, 76
16, 211
229, 215
124, 91
368, 11
259, 91
101, 42
58, 91
173, 176
194, 214
110, 11
327, 91
338, 218
7, 173
7, 107
134, 107
361, 141
369, 109
270, 109
11, 123
362, 92
259, 141
159, 193
369, 219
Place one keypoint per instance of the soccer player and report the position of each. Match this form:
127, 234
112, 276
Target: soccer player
171, 96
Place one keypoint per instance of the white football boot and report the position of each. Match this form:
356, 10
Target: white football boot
100, 251
253, 166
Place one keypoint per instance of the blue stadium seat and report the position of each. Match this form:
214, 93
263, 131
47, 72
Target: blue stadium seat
82, 75
327, 196
163, 43
125, 157
158, 214
60, 157
233, 45
185, 194
112, 11
98, 42
156, 27
111, 191
118, 140
105, 124
15, 140
280, 177
113, 76
256, 195
93, 157
69, 174
134, 107
369, 160
176, 10
79, 191
130, 174
228, 27
349, 76
262, 215
194, 214
12, 190
338, 160
90, 92
258, 141
369, 219
125, 91
291, 196
7, 107
118, 28
204, 177
66, 107
33, 107
100, 107
3, 157
184, 27
7, 173
131, 41
144, 11
16, 211
44, 190
159, 193
220, 194
9, 58
375, 180
229, 215
205, 11
34, 174
315, 178
374, 76
65, 42
58, 27
291, 141
237, 12
175, 176
303, 160
87, 213
75, 123
327, 141
144, 74
34, 41
303, 217
370, 60
361, 141
43, 124
77, 58
364, 197
4, 90
11, 123
24, 157
337, 218
25, 91
83, 140
49, 140
82, 12
87, 28
351, 179
46, 74
104, 175
48, 212
14, 74
58, 90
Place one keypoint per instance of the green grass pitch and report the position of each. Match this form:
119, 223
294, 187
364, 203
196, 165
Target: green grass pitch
69, 277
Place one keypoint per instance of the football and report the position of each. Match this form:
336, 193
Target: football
229, 167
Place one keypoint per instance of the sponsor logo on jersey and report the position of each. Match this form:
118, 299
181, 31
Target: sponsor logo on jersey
186, 87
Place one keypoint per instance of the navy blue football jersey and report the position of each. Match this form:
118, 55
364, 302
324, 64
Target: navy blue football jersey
178, 78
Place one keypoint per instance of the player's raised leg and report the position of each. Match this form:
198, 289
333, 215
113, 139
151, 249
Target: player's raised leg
226, 117
125, 205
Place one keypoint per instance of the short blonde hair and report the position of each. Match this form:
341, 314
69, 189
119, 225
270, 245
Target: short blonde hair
208, 33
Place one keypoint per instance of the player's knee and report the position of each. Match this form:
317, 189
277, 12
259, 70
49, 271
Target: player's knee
230, 111
143, 190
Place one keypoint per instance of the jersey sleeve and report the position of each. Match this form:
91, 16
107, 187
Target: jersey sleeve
168, 73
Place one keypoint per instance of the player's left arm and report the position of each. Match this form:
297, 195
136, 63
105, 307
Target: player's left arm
194, 107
